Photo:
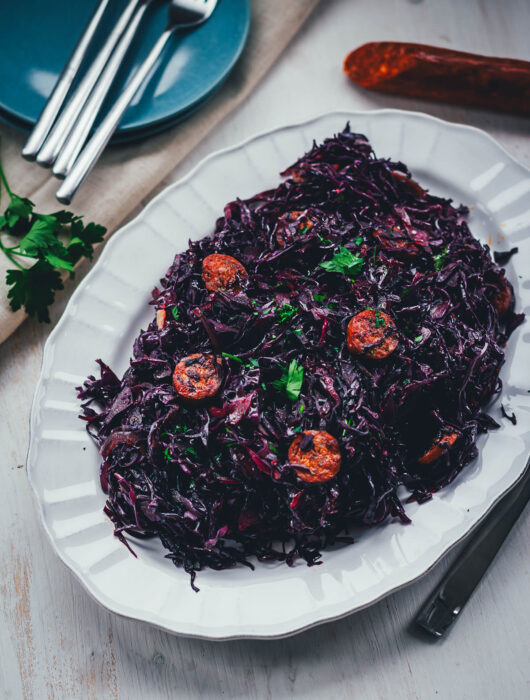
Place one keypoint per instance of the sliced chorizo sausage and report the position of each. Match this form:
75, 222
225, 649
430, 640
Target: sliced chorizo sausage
223, 273
409, 184
198, 376
316, 455
372, 333
503, 297
439, 446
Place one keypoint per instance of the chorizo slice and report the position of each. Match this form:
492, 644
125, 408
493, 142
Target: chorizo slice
439, 446
409, 185
317, 454
198, 376
372, 333
223, 273
503, 297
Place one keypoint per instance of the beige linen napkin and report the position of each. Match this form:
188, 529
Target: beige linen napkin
129, 173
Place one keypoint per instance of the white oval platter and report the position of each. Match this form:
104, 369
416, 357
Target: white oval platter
109, 307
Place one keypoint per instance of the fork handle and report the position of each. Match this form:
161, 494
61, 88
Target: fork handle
77, 137
60, 90
90, 154
62, 127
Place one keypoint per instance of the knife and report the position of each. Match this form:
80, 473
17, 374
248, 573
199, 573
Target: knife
63, 85
450, 596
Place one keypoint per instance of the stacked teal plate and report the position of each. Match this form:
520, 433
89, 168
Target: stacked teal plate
41, 37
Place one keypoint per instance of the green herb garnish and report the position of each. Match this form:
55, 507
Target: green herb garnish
285, 313
232, 357
291, 381
439, 260
53, 243
175, 313
344, 262
379, 320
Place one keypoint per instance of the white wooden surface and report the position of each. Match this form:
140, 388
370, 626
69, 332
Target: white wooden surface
55, 642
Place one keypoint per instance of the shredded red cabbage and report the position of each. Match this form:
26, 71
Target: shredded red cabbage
212, 480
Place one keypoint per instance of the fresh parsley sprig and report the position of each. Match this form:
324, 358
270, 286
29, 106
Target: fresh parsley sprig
52, 243
439, 260
285, 313
345, 262
291, 381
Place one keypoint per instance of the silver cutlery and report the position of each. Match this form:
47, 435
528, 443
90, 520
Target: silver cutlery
63, 85
81, 129
183, 14
448, 600
66, 120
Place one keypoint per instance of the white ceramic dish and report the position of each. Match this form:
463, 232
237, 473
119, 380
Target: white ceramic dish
109, 307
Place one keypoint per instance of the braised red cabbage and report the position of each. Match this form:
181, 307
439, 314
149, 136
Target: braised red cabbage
212, 480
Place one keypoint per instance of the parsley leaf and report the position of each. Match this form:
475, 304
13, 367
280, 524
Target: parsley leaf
379, 320
33, 288
53, 243
291, 381
439, 260
19, 208
41, 236
285, 313
344, 262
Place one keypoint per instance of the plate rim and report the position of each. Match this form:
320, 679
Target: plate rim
144, 616
128, 133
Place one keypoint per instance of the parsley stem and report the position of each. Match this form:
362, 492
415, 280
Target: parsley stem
20, 254
10, 255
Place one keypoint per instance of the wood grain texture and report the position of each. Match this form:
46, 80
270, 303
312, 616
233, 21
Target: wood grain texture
55, 642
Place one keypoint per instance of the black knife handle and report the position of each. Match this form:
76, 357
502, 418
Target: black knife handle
455, 589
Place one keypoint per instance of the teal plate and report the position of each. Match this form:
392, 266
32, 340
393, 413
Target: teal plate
131, 135
41, 37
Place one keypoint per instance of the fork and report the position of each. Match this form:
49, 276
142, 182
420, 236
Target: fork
183, 14
81, 129
66, 120
55, 101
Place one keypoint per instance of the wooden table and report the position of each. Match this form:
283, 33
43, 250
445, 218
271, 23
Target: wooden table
55, 642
